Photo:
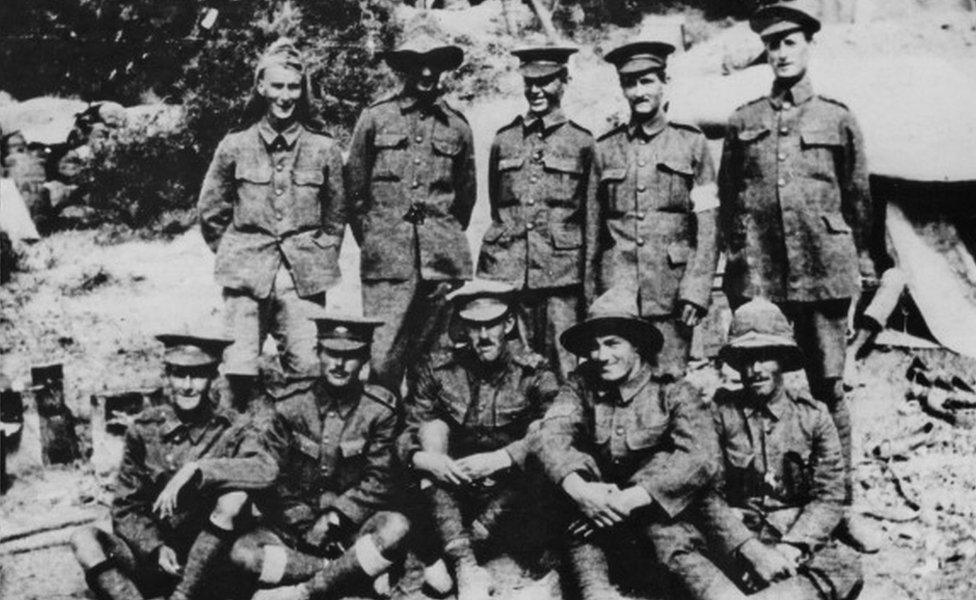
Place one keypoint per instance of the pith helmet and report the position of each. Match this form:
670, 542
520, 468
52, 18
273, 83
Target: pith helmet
758, 326
786, 15
613, 313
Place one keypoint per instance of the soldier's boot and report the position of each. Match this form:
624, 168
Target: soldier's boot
853, 529
473, 582
702, 579
105, 561
211, 547
589, 567
274, 564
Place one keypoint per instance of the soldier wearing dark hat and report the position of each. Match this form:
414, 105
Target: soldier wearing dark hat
541, 194
411, 180
466, 435
625, 446
780, 492
657, 233
326, 531
796, 213
273, 209
187, 468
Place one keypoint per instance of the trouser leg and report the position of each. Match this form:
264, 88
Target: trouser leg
210, 547
382, 541
672, 359
108, 564
590, 570
547, 313
680, 548
247, 323
292, 326
265, 557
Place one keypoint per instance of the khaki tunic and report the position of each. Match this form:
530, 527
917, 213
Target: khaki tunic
795, 201
403, 154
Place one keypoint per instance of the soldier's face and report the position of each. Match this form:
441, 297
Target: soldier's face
188, 386
788, 54
341, 369
763, 376
423, 79
644, 92
488, 339
544, 94
281, 87
615, 358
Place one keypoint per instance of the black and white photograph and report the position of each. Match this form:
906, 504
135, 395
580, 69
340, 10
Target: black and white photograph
488, 299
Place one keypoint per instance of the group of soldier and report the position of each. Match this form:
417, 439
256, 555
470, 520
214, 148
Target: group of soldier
463, 415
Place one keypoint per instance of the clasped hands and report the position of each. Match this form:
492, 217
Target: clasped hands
467, 471
772, 563
602, 504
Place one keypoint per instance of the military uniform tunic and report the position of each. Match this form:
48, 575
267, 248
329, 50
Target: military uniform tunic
541, 188
658, 231
231, 455
417, 161
781, 481
272, 207
334, 453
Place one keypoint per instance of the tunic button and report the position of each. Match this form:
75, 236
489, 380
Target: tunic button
533, 179
782, 156
415, 184
530, 201
641, 163
784, 130
530, 226
620, 431
787, 106
280, 167
416, 161
641, 188
279, 215
781, 183
641, 215
418, 139
279, 191
332, 414
640, 241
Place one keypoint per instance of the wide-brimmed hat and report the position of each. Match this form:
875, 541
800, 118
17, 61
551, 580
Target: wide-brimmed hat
345, 333
539, 62
613, 313
425, 49
786, 15
639, 56
759, 326
193, 350
482, 300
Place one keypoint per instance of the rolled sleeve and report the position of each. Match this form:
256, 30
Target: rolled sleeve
560, 432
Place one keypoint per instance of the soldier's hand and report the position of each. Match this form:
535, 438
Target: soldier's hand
628, 500
319, 534
692, 314
768, 563
168, 562
484, 464
166, 502
441, 467
594, 500
792, 553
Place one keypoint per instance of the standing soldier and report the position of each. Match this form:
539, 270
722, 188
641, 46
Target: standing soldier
796, 214
780, 492
272, 208
467, 427
411, 181
326, 533
164, 539
541, 198
658, 229
624, 445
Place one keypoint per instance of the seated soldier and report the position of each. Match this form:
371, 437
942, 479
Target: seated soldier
624, 445
780, 493
166, 541
465, 437
325, 531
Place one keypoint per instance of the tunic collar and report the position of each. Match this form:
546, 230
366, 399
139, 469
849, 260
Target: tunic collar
630, 388
797, 93
343, 403
549, 121
774, 409
647, 129
408, 103
173, 426
273, 138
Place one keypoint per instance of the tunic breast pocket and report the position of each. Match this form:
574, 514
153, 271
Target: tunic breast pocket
307, 210
305, 453
752, 146
648, 429
253, 183
820, 151
612, 189
353, 451
446, 149
509, 172
390, 150
678, 176
563, 177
